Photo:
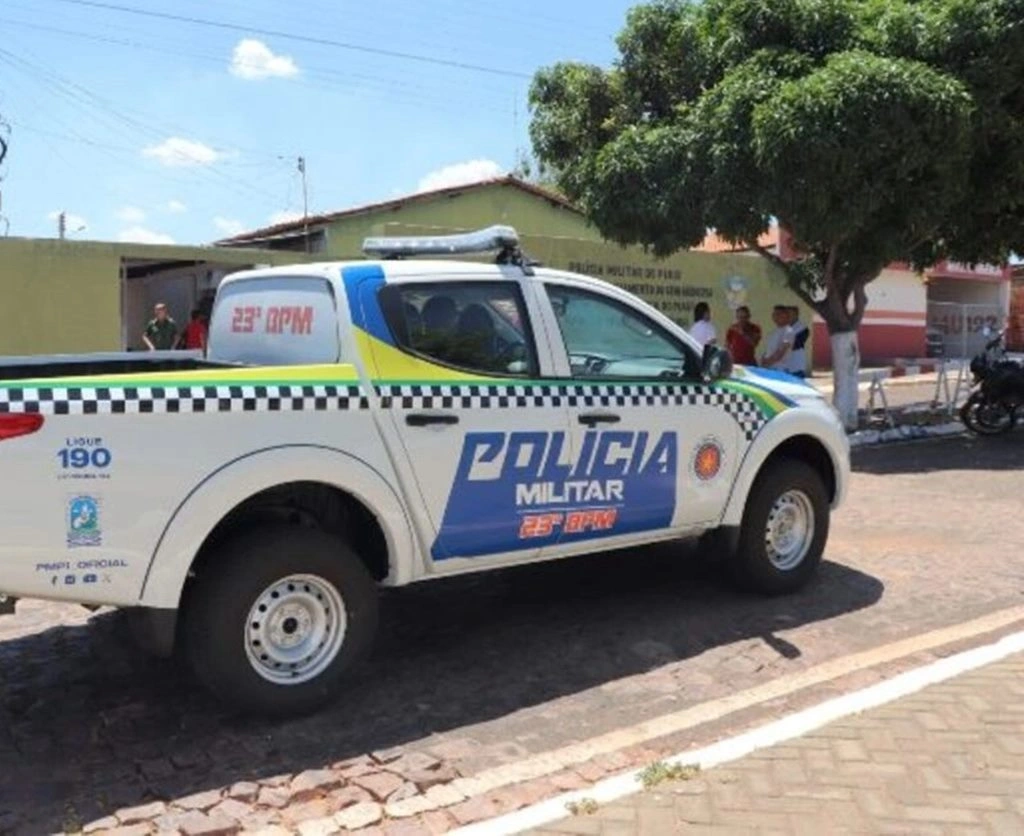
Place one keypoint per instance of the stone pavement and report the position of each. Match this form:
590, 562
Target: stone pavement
949, 759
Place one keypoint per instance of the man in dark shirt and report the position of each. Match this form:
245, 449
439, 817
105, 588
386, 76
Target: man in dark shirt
743, 337
162, 332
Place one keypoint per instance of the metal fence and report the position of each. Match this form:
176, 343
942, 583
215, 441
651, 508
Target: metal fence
961, 328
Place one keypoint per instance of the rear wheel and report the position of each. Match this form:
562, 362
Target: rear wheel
983, 417
784, 529
277, 618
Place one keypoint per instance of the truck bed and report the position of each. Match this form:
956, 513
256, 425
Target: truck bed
93, 365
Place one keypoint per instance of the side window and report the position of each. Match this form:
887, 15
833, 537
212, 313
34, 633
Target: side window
473, 326
605, 338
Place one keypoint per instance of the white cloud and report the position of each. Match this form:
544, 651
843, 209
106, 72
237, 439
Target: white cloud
459, 174
176, 206
72, 222
141, 235
178, 152
284, 217
253, 60
228, 226
131, 215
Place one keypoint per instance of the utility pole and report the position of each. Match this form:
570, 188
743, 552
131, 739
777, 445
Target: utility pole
305, 202
62, 225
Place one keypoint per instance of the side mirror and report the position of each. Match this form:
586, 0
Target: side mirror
716, 363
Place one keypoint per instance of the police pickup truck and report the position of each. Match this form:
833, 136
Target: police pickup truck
387, 421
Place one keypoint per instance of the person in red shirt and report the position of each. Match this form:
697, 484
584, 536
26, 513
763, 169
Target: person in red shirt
742, 338
195, 333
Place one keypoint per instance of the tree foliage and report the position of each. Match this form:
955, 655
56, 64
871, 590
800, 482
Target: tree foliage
872, 130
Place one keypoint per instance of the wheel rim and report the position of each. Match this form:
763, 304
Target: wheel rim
790, 530
995, 416
295, 629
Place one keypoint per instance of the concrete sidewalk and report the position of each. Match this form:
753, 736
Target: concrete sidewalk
949, 759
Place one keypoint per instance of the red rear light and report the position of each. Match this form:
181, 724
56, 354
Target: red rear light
13, 425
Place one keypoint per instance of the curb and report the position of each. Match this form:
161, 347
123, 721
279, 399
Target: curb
827, 387
871, 438
790, 726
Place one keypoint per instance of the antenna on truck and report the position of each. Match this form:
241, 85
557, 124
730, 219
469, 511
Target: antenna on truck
504, 239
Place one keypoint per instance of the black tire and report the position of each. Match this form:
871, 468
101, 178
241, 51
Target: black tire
751, 565
218, 635
976, 414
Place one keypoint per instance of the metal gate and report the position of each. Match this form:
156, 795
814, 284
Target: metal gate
962, 327
1015, 331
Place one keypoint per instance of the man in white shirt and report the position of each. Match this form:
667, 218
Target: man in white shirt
702, 330
796, 360
777, 344
786, 348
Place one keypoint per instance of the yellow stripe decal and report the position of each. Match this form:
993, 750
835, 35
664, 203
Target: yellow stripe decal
331, 373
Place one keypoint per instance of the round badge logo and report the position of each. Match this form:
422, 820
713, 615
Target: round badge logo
736, 288
707, 461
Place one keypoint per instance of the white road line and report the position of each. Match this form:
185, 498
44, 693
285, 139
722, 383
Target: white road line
566, 757
787, 728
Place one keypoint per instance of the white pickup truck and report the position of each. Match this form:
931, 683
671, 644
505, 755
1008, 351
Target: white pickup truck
387, 421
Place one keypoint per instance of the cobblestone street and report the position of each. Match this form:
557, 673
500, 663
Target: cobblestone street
949, 759
478, 673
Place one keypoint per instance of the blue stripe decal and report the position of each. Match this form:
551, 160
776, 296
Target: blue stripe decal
362, 281
771, 374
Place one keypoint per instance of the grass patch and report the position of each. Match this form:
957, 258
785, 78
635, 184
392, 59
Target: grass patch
583, 807
659, 772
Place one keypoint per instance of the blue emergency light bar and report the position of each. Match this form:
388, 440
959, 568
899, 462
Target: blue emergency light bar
482, 241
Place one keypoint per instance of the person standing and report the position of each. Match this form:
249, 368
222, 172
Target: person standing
161, 332
779, 341
743, 337
702, 330
194, 337
796, 359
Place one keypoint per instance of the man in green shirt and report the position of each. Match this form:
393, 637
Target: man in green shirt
162, 332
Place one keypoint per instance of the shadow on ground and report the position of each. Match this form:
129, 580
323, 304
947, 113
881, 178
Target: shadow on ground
993, 453
88, 723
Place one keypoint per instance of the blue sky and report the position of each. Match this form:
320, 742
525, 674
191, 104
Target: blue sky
151, 129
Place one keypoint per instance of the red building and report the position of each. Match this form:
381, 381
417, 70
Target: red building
941, 312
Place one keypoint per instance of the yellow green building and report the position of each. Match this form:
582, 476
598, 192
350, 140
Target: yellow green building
65, 296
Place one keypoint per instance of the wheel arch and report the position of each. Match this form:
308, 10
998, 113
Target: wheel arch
804, 443
339, 484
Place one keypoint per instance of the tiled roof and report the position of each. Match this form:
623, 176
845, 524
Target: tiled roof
296, 226
715, 244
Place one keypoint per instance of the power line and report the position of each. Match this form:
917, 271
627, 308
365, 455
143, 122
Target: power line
102, 110
273, 33
329, 79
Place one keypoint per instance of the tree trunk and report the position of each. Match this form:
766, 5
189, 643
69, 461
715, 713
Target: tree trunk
845, 368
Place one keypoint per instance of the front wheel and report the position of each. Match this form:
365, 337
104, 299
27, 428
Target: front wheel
784, 529
984, 417
277, 618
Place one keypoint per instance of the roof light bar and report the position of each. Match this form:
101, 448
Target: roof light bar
482, 241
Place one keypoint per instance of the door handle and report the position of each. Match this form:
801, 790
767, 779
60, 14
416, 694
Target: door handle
418, 419
594, 418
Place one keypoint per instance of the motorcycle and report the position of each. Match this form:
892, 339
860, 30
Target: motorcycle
993, 407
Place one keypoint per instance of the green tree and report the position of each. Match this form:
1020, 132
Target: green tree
872, 130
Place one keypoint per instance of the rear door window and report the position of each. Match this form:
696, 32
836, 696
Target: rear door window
471, 326
275, 321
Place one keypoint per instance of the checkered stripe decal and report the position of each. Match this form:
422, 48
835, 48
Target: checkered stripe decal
743, 409
115, 400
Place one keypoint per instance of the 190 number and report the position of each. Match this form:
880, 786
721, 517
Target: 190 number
80, 458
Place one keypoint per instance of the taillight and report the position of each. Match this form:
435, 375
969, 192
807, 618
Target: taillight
13, 425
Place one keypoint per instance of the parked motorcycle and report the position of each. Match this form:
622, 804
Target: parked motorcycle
997, 402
